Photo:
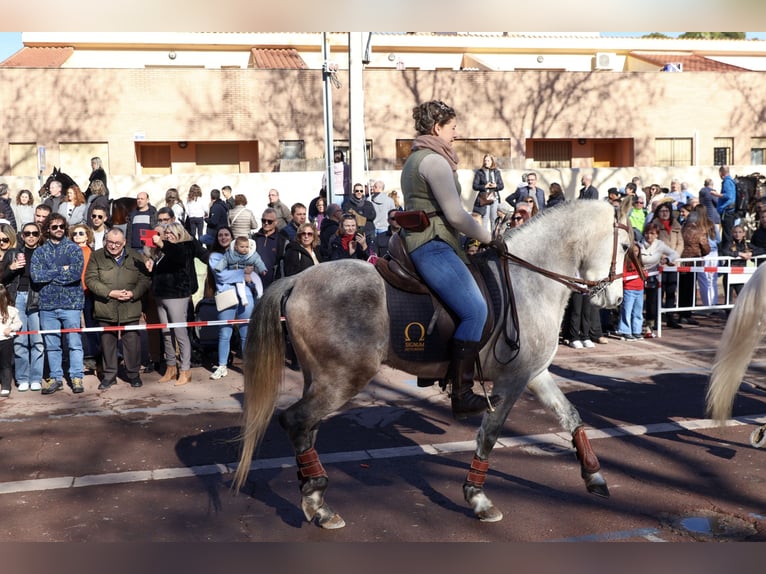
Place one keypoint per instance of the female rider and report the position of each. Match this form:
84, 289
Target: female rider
429, 183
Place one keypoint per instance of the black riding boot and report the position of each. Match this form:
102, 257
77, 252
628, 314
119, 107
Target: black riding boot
460, 374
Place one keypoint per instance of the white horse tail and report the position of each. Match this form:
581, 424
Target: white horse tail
744, 329
263, 372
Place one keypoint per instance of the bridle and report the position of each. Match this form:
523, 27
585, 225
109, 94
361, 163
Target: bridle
578, 284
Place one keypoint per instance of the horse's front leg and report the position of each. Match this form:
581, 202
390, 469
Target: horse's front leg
549, 394
473, 487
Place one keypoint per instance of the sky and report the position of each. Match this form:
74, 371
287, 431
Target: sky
10, 42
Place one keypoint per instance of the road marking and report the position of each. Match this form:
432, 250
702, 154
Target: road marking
649, 534
562, 439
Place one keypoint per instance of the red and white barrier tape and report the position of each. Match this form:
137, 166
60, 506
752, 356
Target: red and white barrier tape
143, 327
731, 270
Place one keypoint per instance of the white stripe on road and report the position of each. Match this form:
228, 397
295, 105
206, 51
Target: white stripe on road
560, 439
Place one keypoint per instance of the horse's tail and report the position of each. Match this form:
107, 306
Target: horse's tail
263, 372
744, 329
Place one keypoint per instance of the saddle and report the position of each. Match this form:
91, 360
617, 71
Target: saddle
421, 326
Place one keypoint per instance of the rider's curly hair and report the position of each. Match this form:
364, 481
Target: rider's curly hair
430, 114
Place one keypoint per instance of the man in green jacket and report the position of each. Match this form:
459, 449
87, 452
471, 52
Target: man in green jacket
117, 278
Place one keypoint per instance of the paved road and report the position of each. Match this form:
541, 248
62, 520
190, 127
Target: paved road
153, 464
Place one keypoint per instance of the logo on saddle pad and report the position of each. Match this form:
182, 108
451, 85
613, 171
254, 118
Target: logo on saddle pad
416, 344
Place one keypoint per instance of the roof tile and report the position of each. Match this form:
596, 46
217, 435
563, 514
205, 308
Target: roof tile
41, 57
276, 59
691, 62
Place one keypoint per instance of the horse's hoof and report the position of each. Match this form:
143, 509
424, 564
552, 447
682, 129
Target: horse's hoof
331, 523
599, 490
758, 437
491, 514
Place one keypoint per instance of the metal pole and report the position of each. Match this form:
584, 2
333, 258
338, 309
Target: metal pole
357, 141
328, 125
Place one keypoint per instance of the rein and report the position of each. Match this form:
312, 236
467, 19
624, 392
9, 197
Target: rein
578, 284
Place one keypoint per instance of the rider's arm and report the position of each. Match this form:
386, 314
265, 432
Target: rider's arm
436, 171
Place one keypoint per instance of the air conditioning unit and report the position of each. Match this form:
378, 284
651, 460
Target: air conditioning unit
605, 61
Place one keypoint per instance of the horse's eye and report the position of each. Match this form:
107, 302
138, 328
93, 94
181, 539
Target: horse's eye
625, 247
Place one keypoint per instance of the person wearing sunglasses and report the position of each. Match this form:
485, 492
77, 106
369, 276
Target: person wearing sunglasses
521, 215
98, 226
303, 251
270, 245
7, 244
57, 266
82, 235
98, 199
235, 266
28, 349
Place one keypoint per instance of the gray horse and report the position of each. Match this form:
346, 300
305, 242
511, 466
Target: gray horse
580, 241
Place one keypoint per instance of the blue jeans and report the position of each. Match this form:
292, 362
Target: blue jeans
63, 319
224, 334
28, 349
631, 312
446, 274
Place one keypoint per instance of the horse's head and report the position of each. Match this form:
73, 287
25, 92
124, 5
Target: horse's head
604, 257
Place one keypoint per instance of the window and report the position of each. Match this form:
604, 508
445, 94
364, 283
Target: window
76, 155
723, 151
403, 149
345, 147
292, 149
154, 159
471, 151
552, 154
672, 152
757, 151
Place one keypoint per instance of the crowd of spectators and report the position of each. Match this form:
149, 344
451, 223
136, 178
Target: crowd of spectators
63, 265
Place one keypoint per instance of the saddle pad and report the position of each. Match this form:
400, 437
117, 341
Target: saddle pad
410, 315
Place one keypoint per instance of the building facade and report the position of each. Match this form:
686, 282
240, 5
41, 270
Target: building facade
191, 106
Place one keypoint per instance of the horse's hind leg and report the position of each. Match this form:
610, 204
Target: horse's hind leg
547, 391
301, 422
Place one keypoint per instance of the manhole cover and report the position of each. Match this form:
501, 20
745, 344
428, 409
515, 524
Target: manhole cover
710, 525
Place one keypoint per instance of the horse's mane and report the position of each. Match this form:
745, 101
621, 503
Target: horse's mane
556, 223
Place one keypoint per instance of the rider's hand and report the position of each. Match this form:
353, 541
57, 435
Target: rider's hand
498, 244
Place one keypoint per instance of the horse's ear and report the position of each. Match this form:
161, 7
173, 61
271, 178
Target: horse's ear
626, 205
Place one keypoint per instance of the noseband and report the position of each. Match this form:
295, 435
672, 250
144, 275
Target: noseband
577, 284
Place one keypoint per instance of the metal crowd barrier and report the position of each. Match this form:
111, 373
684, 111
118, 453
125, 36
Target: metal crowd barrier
696, 265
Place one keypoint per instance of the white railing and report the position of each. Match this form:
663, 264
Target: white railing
696, 266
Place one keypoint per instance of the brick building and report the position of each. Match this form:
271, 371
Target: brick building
183, 107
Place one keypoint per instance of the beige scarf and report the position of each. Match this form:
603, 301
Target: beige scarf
438, 145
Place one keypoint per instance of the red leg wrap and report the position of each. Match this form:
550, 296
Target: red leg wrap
309, 465
478, 473
586, 456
